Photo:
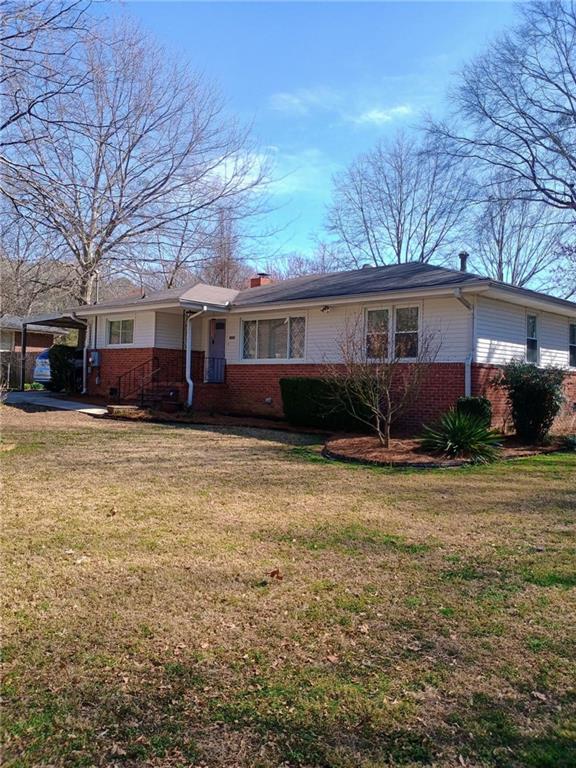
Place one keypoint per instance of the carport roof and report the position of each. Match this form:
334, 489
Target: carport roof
53, 321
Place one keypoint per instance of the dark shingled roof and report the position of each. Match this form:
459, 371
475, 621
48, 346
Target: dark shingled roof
397, 277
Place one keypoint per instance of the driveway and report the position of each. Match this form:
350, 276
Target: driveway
50, 400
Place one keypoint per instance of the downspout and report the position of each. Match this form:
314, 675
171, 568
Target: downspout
189, 381
470, 356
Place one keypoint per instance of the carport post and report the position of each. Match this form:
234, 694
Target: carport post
23, 341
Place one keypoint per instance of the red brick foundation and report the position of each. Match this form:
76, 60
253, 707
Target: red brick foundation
255, 389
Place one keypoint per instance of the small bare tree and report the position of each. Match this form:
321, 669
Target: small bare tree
378, 378
399, 202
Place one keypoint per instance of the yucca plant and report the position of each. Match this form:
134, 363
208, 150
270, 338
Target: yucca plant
461, 435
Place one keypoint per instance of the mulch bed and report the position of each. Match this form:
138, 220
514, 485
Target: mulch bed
366, 449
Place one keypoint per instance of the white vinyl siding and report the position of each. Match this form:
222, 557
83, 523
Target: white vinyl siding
169, 327
443, 318
553, 333
501, 334
144, 326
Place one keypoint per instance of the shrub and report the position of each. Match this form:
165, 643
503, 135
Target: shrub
460, 435
535, 396
569, 442
62, 370
313, 402
476, 406
34, 386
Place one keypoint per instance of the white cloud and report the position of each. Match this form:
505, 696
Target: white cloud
378, 116
305, 100
350, 107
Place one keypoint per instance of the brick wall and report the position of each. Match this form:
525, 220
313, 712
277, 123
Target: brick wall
35, 342
483, 384
249, 387
115, 362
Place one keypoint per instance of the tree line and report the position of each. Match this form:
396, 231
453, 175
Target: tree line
122, 167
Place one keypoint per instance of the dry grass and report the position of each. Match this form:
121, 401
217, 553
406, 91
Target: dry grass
422, 619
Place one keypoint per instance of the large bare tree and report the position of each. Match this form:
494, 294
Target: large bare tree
32, 276
150, 147
399, 202
516, 241
38, 40
516, 106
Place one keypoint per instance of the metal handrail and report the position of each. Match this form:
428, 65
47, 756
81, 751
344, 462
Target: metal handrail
131, 381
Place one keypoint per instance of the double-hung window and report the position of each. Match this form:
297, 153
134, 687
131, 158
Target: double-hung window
377, 332
572, 345
406, 332
531, 339
120, 332
277, 339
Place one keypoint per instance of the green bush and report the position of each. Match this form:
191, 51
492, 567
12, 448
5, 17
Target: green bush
62, 370
34, 386
461, 435
535, 396
476, 406
313, 402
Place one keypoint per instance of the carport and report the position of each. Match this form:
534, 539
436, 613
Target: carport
57, 320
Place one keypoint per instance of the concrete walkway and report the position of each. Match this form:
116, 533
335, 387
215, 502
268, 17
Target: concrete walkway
50, 400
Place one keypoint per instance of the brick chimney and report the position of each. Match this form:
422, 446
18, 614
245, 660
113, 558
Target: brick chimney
463, 255
262, 278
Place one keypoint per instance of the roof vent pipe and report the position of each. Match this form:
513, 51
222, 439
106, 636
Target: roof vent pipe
463, 256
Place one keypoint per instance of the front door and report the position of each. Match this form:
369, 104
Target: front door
217, 351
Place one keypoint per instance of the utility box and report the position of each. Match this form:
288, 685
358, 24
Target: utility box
94, 358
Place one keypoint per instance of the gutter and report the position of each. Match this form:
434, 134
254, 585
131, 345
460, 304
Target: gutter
189, 381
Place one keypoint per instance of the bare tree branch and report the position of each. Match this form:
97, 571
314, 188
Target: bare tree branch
400, 202
516, 107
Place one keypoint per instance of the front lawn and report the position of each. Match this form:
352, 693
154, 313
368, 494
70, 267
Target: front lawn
179, 596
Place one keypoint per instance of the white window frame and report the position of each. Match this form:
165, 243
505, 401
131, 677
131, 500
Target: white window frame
533, 338
571, 324
273, 360
112, 319
392, 328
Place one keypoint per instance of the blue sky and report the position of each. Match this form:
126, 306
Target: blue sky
322, 82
